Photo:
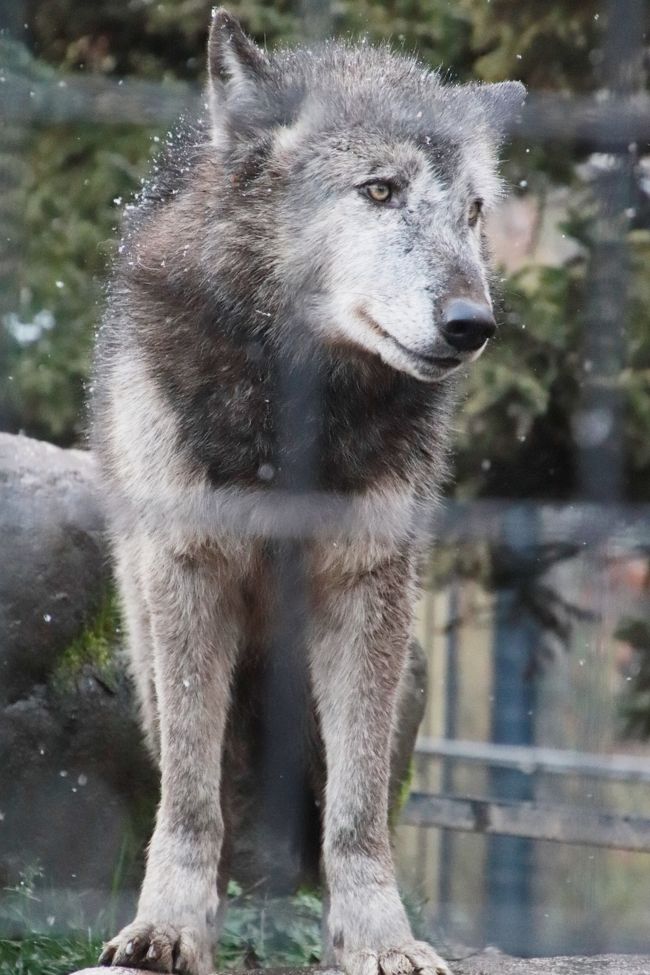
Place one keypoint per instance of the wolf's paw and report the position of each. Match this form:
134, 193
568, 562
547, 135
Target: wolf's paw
416, 956
158, 948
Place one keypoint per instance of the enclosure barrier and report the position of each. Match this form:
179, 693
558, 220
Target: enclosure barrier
614, 125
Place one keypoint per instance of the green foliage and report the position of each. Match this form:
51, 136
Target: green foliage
168, 37
552, 46
277, 931
43, 955
402, 796
258, 931
516, 434
71, 181
18, 905
95, 646
507, 404
31, 951
636, 702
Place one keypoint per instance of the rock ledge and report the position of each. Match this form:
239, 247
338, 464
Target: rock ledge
485, 964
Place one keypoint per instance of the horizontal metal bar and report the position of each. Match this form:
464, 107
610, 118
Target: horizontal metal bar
273, 512
559, 824
581, 523
94, 98
531, 759
606, 122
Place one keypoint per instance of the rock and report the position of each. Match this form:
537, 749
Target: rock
53, 571
497, 964
78, 790
487, 964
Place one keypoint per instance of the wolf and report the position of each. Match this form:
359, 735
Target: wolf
297, 289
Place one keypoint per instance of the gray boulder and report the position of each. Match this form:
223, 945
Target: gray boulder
77, 790
53, 571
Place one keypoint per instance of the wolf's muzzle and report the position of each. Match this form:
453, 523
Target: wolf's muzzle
467, 325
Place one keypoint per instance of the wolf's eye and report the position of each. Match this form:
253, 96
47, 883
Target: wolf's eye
379, 192
474, 212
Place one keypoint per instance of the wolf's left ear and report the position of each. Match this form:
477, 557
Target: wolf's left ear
501, 102
233, 58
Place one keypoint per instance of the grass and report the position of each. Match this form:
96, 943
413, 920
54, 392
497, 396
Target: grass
31, 951
270, 931
258, 932
43, 955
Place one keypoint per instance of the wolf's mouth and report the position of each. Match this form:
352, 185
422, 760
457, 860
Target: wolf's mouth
427, 363
424, 363
443, 362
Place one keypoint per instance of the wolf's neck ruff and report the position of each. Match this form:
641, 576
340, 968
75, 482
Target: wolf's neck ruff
358, 424
216, 342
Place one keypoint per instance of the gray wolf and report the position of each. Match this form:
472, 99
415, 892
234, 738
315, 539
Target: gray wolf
320, 232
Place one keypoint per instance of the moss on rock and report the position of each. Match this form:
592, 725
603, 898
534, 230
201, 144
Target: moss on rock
96, 646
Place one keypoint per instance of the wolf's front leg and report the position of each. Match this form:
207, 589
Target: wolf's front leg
360, 645
195, 614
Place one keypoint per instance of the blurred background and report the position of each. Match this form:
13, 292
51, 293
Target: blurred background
534, 619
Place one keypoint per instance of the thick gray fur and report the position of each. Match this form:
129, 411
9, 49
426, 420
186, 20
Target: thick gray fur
265, 308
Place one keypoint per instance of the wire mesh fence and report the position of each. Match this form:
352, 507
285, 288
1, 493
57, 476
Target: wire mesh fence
522, 617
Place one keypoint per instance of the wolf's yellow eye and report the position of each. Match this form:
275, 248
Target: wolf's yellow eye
474, 212
379, 192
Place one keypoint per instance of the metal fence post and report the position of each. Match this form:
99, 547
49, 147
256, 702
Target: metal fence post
509, 918
451, 731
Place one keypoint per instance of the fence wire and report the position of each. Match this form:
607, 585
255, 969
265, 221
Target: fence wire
615, 122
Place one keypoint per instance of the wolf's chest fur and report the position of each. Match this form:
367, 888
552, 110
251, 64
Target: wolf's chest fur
348, 429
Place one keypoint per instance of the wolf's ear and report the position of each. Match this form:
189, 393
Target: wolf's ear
233, 58
501, 103
236, 70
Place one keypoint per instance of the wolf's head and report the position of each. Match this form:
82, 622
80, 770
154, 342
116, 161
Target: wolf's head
367, 179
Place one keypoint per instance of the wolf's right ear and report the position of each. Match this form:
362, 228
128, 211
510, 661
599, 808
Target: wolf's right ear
236, 69
233, 58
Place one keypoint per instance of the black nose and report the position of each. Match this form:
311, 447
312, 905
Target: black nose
467, 326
